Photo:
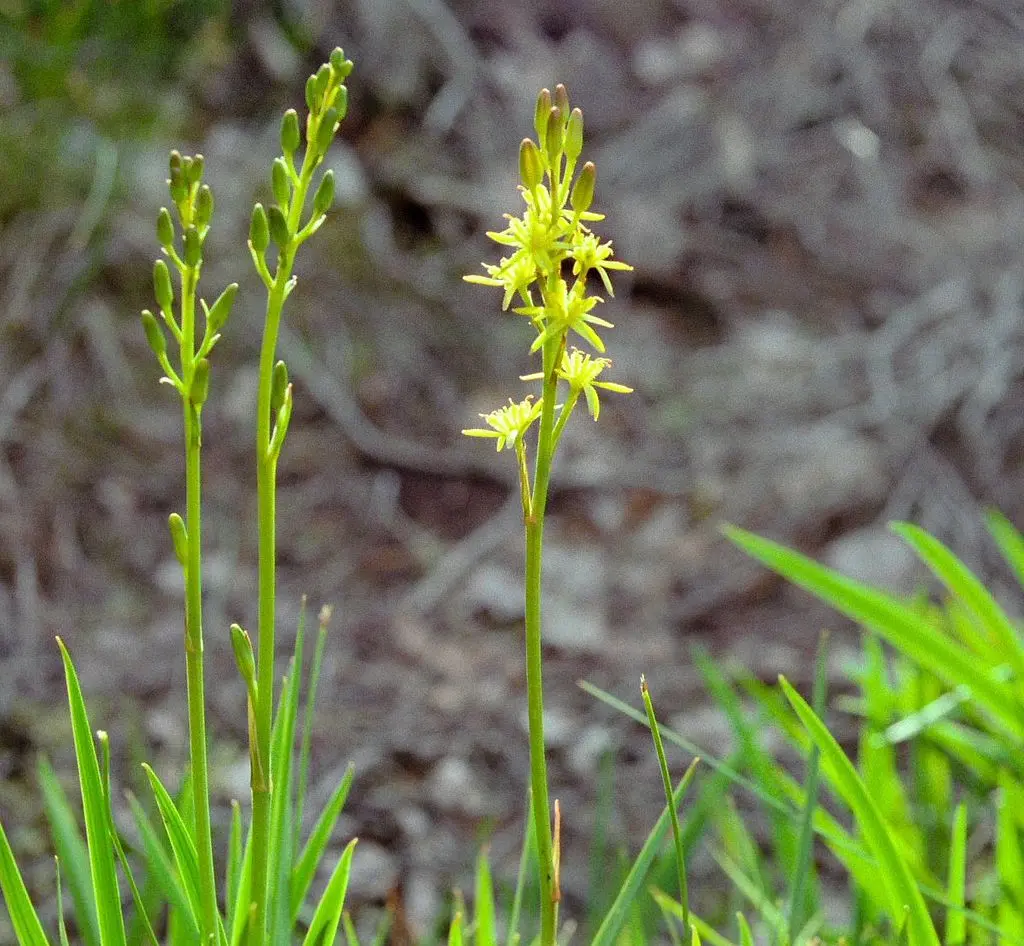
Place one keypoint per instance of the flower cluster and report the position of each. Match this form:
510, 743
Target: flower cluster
550, 238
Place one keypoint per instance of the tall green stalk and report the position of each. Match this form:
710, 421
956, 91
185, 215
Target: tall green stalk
327, 100
548, 235
194, 203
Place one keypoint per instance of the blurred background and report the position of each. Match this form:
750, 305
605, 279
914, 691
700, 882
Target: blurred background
823, 204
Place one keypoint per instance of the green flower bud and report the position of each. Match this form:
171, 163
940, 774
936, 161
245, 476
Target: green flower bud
554, 136
259, 229
325, 133
323, 200
194, 169
154, 334
200, 387
311, 93
540, 115
290, 138
582, 195
279, 182
341, 102
165, 228
179, 537
162, 286
193, 247
221, 309
278, 385
574, 135
176, 184
278, 227
531, 164
175, 161
204, 206
241, 644
340, 66
562, 99
321, 82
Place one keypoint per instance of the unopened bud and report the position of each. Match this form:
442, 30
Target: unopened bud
574, 135
179, 537
241, 645
323, 200
582, 195
193, 247
311, 93
553, 138
531, 164
278, 385
165, 228
290, 138
278, 227
194, 169
259, 229
325, 133
154, 334
341, 102
200, 387
562, 99
162, 286
279, 182
221, 309
322, 81
340, 66
540, 115
204, 206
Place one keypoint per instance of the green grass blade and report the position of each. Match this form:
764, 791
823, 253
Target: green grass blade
324, 926
71, 851
182, 846
677, 839
1009, 540
483, 906
959, 580
27, 928
701, 929
313, 852
746, 937
894, 620
101, 854
1010, 857
455, 929
803, 872
233, 867
607, 934
160, 865
753, 891
307, 723
900, 885
956, 922
62, 930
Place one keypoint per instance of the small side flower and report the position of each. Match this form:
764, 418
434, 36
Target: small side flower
509, 424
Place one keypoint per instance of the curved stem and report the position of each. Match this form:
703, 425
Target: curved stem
194, 621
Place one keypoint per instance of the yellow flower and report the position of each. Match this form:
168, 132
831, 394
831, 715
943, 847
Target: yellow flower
509, 424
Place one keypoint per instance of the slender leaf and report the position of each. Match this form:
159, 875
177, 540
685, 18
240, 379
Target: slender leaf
27, 928
956, 922
324, 926
483, 907
101, 853
901, 887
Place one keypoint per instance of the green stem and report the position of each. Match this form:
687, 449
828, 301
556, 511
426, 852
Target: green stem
194, 621
534, 645
266, 511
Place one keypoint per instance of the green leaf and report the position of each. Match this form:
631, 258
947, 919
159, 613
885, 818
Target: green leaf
70, 849
27, 928
902, 891
965, 586
101, 855
956, 922
1009, 540
323, 928
182, 845
608, 933
1010, 857
483, 907
894, 620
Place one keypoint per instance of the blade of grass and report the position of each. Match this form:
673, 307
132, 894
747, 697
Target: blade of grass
902, 889
101, 855
233, 867
323, 928
956, 922
307, 722
700, 927
305, 867
895, 621
959, 580
27, 928
618, 914
659, 748
525, 860
70, 849
804, 868
1009, 857
483, 905
1009, 540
